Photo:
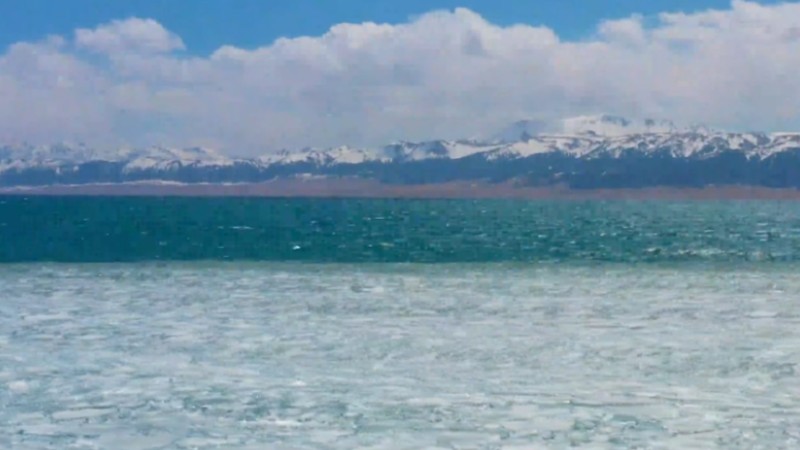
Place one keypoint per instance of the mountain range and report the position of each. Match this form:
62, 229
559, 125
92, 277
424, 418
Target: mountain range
588, 152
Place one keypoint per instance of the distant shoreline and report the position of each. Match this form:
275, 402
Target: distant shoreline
350, 188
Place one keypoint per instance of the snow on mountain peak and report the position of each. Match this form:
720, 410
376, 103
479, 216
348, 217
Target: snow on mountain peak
164, 158
600, 136
322, 157
59, 152
350, 155
589, 125
441, 149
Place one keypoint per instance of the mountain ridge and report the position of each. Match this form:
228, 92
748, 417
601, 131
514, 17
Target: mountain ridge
587, 152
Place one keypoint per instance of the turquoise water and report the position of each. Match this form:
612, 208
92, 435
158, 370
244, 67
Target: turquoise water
203, 324
359, 231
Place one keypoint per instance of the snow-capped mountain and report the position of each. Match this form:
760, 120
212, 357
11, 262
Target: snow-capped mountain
587, 151
163, 158
321, 157
48, 154
599, 125
396, 152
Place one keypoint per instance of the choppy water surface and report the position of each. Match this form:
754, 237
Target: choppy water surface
336, 356
40, 229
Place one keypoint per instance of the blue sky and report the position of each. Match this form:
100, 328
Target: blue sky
205, 25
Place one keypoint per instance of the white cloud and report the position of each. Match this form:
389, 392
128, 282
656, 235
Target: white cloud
625, 31
445, 74
131, 35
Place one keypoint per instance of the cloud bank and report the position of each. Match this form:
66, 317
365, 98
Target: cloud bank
444, 74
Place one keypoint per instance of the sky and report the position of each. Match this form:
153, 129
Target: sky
205, 25
255, 76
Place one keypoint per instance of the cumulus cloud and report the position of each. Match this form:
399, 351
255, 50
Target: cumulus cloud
131, 35
445, 74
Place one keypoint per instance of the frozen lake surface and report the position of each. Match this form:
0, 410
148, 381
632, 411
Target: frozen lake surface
332, 356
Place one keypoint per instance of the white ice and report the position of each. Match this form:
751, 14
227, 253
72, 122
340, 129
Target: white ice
255, 356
